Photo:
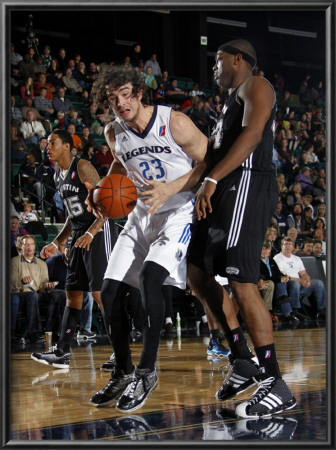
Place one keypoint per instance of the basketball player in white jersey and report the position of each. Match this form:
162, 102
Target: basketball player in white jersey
157, 148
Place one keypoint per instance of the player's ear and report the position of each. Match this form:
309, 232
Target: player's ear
140, 93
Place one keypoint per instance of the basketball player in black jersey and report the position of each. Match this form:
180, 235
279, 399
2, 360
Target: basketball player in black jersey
90, 246
234, 206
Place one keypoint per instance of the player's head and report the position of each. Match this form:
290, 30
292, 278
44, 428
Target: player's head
113, 77
241, 47
65, 137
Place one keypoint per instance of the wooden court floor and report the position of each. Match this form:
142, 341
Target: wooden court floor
52, 405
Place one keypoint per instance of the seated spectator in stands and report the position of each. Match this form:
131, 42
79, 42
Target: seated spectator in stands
319, 190
174, 94
271, 235
26, 67
200, 116
280, 219
318, 249
153, 64
291, 168
319, 235
307, 201
39, 66
286, 134
77, 141
93, 72
29, 277
40, 152
104, 159
82, 77
46, 57
89, 154
16, 142
85, 98
321, 211
43, 104
53, 68
299, 283
319, 222
195, 91
56, 79
293, 234
150, 81
16, 230
27, 215
89, 117
27, 89
305, 94
15, 57
294, 195
42, 82
320, 143
307, 248
16, 114
282, 187
62, 59
76, 120
72, 85
33, 177
307, 222
16, 249
32, 129
87, 139
61, 103
312, 158
294, 219
269, 275
164, 79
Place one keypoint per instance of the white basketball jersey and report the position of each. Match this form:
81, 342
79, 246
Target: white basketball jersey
153, 155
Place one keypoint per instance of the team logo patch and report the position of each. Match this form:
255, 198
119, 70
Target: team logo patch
179, 255
68, 331
268, 354
232, 270
73, 175
235, 338
162, 131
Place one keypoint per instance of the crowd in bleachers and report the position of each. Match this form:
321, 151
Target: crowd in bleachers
54, 91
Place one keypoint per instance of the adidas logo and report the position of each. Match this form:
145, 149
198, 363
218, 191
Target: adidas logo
124, 139
233, 188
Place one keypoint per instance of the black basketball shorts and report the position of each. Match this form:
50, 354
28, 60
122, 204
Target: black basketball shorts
229, 241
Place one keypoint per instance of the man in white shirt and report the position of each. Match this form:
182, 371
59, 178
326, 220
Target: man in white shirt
32, 129
299, 281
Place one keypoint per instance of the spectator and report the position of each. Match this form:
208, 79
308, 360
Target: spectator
307, 248
200, 116
88, 140
29, 277
42, 82
174, 94
32, 129
27, 215
304, 178
89, 117
27, 89
195, 91
104, 159
136, 55
294, 219
93, 72
89, 154
62, 60
16, 249
294, 195
282, 187
164, 79
53, 68
43, 104
318, 249
62, 104
14, 56
153, 64
280, 219
17, 143
293, 234
72, 85
39, 66
26, 67
39, 151
271, 235
299, 283
321, 211
46, 57
16, 230
307, 222
34, 176
16, 114
319, 190
305, 94
82, 77
319, 234
150, 81
56, 80
319, 222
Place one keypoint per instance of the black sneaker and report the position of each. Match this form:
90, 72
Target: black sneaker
217, 349
110, 364
272, 397
240, 377
136, 393
54, 357
281, 428
169, 329
85, 334
114, 388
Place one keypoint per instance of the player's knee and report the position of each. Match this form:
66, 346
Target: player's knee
152, 277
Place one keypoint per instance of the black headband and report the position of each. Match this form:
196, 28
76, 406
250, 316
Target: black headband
234, 51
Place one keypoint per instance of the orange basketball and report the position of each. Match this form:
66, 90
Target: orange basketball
115, 196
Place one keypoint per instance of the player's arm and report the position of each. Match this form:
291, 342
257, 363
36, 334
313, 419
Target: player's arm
59, 241
195, 144
90, 177
258, 98
116, 166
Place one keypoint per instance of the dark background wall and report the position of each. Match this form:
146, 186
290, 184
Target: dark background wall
107, 35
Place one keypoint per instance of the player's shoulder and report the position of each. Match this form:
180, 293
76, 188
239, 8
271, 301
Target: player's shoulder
109, 132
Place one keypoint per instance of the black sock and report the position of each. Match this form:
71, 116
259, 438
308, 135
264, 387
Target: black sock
68, 328
238, 344
267, 359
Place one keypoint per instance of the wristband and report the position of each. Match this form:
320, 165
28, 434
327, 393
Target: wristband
53, 243
210, 179
88, 232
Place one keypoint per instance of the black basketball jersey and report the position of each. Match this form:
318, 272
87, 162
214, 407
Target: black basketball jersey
229, 127
73, 193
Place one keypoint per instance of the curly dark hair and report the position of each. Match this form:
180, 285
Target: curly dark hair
116, 76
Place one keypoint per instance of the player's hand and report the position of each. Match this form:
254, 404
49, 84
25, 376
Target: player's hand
91, 207
84, 241
202, 201
47, 251
157, 195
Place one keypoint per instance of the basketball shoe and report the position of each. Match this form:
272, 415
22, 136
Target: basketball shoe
136, 393
54, 357
136, 428
217, 349
109, 364
240, 377
271, 397
114, 388
277, 428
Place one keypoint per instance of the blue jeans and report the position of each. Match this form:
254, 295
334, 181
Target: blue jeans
294, 290
86, 313
29, 303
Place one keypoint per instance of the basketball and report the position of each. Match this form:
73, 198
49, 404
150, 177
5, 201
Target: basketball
115, 196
